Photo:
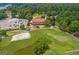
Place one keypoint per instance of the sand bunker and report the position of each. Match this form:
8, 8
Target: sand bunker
21, 36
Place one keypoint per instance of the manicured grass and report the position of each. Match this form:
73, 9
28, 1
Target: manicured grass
5, 42
13, 32
58, 41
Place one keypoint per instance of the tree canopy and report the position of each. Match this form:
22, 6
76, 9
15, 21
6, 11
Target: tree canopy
67, 14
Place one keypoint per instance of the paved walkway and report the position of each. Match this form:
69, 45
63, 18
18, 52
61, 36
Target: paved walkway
72, 36
72, 51
40, 28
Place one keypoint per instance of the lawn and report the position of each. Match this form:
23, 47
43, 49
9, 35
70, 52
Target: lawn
59, 42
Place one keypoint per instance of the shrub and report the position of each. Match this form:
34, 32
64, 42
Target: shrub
3, 32
41, 48
22, 27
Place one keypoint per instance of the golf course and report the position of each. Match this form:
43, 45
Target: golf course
59, 43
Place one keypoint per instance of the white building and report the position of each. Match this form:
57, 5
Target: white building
12, 23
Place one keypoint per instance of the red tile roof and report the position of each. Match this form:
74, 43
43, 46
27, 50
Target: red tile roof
38, 20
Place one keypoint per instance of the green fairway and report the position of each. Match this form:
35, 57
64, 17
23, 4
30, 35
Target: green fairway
59, 42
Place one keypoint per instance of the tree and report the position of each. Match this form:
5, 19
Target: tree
74, 26
47, 23
2, 14
50, 21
